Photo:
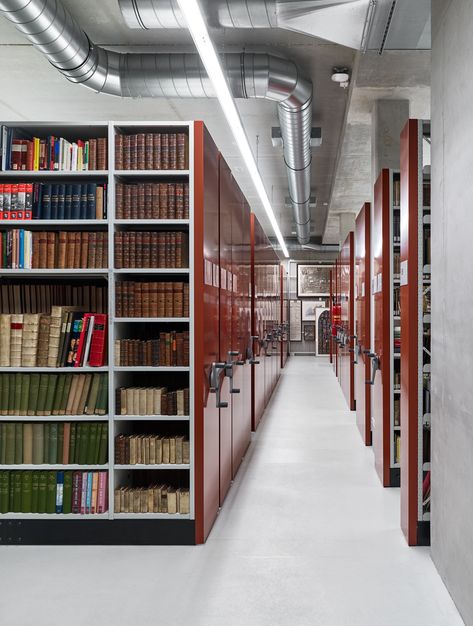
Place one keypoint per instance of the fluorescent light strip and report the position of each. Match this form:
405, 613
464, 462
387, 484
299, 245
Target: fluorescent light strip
198, 29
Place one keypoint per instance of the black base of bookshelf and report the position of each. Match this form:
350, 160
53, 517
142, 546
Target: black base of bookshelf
423, 533
395, 477
97, 532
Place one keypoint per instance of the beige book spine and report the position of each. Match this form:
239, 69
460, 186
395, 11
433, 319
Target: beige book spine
5, 325
16, 338
29, 344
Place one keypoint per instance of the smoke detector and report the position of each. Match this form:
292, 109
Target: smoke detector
341, 76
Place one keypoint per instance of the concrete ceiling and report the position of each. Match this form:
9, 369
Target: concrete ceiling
33, 84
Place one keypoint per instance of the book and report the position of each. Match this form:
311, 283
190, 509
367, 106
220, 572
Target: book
152, 201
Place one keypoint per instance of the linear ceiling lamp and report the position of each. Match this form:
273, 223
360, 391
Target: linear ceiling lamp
198, 29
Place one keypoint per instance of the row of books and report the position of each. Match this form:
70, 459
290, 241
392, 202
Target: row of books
396, 192
53, 394
152, 151
68, 337
151, 249
155, 299
172, 348
62, 443
26, 249
152, 201
151, 450
151, 401
40, 297
22, 152
53, 201
152, 499
397, 447
53, 492
396, 227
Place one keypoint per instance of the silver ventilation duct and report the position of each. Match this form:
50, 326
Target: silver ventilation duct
53, 31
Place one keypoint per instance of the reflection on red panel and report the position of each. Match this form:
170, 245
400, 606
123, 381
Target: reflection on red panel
363, 321
347, 319
206, 329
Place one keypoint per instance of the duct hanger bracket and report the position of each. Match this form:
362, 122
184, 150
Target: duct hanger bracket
312, 202
315, 137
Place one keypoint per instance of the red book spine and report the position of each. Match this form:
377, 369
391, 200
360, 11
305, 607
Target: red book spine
82, 340
98, 345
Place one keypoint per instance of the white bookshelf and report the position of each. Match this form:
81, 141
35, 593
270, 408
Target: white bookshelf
118, 327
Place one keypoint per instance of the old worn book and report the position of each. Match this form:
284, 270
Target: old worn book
5, 327
29, 347
16, 338
43, 340
183, 501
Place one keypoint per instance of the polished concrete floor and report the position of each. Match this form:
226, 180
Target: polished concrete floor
307, 537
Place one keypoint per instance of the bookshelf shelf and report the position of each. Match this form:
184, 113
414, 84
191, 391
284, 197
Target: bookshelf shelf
46, 466
152, 270
166, 516
54, 418
54, 516
54, 272
54, 174
52, 370
152, 173
162, 466
154, 320
161, 368
152, 418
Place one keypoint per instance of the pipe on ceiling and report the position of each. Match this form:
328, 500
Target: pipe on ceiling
49, 26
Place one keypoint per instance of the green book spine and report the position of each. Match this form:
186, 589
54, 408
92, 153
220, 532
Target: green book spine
72, 443
48, 405
17, 392
11, 490
10, 444
46, 444
26, 491
17, 492
38, 443
84, 443
19, 443
4, 396
98, 441
35, 492
67, 499
65, 395
103, 445
92, 441
53, 437
51, 493
42, 491
25, 393
101, 406
79, 431
60, 443
3, 446
33, 395
11, 394
4, 491
61, 381
43, 392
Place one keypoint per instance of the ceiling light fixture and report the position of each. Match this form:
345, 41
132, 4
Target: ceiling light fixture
341, 76
198, 29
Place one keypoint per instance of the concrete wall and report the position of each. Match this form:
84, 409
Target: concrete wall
452, 298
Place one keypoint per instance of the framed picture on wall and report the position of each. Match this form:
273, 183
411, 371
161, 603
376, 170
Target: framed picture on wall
309, 332
309, 310
295, 320
313, 280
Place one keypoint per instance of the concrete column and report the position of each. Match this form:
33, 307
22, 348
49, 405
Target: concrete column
388, 118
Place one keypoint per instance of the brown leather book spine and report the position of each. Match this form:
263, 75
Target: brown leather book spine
146, 248
162, 349
163, 201
93, 154
127, 201
119, 299
165, 151
125, 250
36, 251
119, 200
119, 250
167, 250
84, 248
186, 349
178, 250
148, 207
178, 297
105, 251
186, 201
145, 302
154, 245
70, 249
99, 238
139, 249
118, 152
137, 299
134, 202
182, 151
155, 214
161, 249
61, 261
92, 253
173, 250
77, 250
51, 250
153, 300
149, 154
179, 201
140, 151
102, 153
161, 299
185, 304
168, 300
140, 213
157, 151
132, 246
126, 152
171, 212
172, 151
133, 152
126, 286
